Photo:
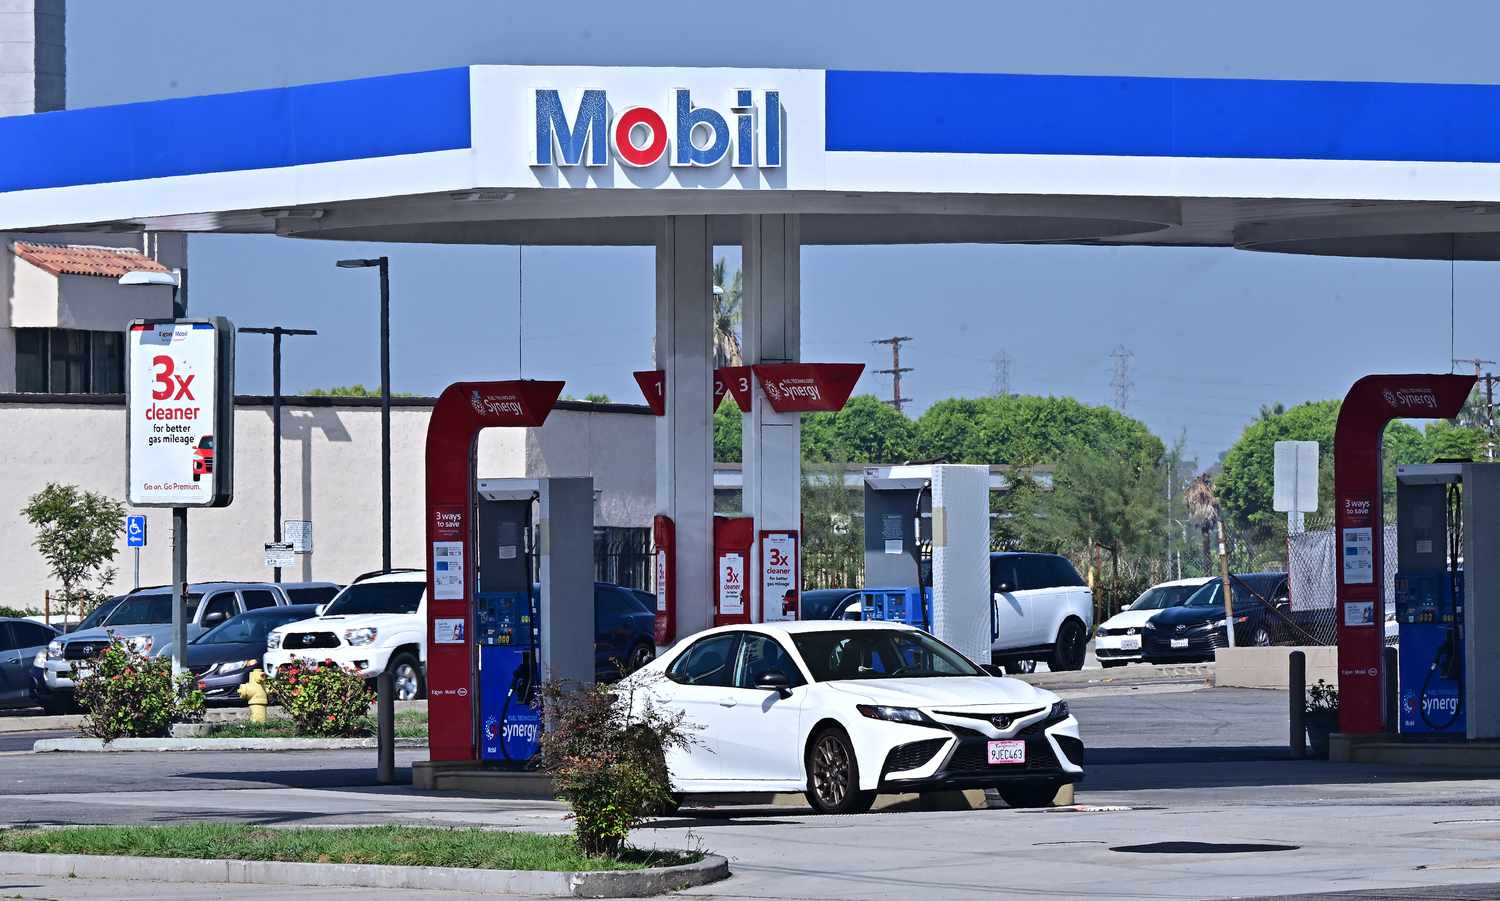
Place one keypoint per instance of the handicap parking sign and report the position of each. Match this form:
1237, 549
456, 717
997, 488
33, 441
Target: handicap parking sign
135, 531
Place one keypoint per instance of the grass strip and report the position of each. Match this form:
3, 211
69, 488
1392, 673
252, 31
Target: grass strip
391, 845
409, 724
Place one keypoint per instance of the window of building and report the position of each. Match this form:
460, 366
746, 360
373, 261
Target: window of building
69, 361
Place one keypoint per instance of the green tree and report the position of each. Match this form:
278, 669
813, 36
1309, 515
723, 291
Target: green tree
1026, 431
728, 435
867, 430
354, 391
76, 532
832, 527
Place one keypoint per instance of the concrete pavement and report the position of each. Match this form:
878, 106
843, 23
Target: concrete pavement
1203, 766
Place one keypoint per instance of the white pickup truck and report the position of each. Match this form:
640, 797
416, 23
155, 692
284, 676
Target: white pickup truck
378, 624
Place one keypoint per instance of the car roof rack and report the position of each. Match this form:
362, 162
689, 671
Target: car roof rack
384, 572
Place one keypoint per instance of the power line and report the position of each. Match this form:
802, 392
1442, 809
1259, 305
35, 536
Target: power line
1121, 383
1001, 386
897, 400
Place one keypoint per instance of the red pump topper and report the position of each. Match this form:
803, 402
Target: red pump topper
664, 537
734, 539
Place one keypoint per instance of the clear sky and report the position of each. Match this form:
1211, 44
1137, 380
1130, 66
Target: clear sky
1215, 333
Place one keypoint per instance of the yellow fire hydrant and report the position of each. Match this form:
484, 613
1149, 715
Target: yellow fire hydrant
254, 691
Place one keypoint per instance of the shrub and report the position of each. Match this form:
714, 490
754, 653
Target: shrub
605, 748
127, 694
325, 700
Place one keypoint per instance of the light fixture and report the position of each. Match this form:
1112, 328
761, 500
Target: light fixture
357, 264
148, 277
293, 214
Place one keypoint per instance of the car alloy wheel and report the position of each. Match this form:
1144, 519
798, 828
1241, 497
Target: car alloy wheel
1071, 648
407, 676
641, 656
830, 773
1262, 637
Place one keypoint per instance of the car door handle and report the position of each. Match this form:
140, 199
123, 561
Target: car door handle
727, 702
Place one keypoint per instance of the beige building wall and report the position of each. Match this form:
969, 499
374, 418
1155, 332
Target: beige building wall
330, 474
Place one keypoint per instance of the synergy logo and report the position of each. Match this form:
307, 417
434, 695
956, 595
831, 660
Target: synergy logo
529, 731
491, 728
491, 405
1411, 398
640, 136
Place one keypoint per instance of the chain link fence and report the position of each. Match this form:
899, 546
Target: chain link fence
1312, 561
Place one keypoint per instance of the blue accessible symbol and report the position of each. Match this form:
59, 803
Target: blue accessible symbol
135, 531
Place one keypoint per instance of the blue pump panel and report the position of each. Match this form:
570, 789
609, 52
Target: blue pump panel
509, 718
898, 605
1429, 614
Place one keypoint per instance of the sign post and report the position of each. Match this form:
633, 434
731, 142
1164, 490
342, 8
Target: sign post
179, 435
1295, 490
135, 539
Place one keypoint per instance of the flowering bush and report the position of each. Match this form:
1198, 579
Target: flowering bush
324, 700
1322, 697
127, 694
606, 753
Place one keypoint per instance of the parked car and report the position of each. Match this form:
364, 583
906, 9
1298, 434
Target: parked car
96, 616
845, 710
21, 642
1197, 628
377, 624
624, 631
1043, 610
143, 620
1118, 640
829, 603
310, 592
223, 657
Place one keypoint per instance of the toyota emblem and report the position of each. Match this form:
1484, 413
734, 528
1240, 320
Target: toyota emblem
1001, 722
1182, 628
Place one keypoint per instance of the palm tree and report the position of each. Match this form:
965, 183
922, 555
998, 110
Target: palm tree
729, 314
1203, 511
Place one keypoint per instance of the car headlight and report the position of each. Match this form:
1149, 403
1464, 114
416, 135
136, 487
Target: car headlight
54, 650
357, 637
229, 667
273, 641
893, 714
1059, 711
139, 644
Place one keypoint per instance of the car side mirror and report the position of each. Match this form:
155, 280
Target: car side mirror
775, 680
318, 610
213, 619
992, 669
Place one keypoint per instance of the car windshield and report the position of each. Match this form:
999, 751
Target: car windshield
1212, 595
150, 609
99, 614
879, 654
1163, 596
251, 628
377, 597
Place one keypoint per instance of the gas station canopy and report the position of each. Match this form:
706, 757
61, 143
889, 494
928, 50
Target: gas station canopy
589, 155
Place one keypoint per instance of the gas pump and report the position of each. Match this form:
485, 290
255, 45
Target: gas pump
507, 629
1430, 598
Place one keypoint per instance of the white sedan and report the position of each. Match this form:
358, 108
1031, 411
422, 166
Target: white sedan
843, 711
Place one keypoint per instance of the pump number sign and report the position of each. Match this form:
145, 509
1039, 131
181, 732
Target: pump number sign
180, 398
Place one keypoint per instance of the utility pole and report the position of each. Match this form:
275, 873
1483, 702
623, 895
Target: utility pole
276, 333
1121, 383
1001, 386
1488, 415
895, 371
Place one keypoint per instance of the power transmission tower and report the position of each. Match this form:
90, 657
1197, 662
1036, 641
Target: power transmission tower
897, 400
1001, 386
1121, 383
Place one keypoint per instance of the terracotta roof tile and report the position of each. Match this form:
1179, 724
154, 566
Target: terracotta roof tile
84, 259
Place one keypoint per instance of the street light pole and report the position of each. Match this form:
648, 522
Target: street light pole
276, 333
384, 265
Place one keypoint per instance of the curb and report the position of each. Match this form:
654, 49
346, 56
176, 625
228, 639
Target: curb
41, 722
97, 745
604, 884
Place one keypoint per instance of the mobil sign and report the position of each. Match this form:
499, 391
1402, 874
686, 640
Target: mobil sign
745, 126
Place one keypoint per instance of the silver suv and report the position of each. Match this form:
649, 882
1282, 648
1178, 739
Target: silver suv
143, 620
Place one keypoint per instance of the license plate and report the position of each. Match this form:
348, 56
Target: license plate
83, 672
1007, 752
1130, 643
1179, 642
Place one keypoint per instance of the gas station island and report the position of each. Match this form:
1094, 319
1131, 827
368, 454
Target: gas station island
684, 159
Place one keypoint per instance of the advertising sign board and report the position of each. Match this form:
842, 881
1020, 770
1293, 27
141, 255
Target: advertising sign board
779, 590
179, 436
